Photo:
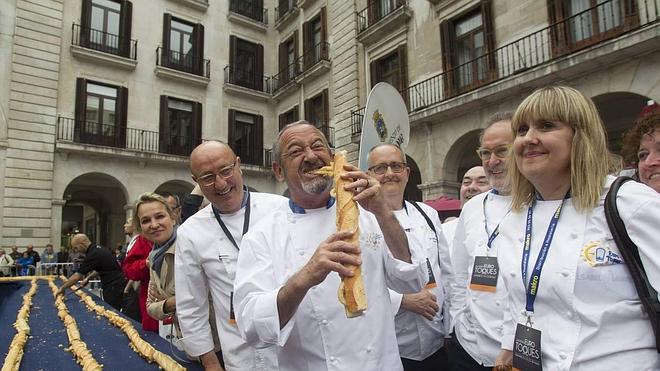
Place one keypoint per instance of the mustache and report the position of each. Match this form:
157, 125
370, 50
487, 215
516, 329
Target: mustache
307, 166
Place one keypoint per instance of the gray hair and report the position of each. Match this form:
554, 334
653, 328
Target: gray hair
493, 119
393, 145
277, 151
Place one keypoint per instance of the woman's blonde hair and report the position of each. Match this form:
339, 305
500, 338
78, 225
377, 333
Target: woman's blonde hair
590, 159
146, 198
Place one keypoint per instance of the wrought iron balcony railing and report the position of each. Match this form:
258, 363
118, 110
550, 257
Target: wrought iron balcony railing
237, 75
285, 6
592, 26
249, 9
319, 52
285, 76
377, 10
187, 62
103, 42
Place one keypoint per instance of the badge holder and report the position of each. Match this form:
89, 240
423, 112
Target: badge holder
527, 347
484, 274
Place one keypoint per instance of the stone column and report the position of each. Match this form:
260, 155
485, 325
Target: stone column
56, 223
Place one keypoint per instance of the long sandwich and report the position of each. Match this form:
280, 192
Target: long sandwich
351, 291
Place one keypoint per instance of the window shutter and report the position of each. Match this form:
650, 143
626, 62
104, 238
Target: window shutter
125, 27
282, 61
308, 111
232, 59
296, 114
448, 48
197, 115
122, 116
258, 136
307, 44
631, 14
296, 53
198, 49
324, 35
374, 70
81, 107
259, 75
231, 129
165, 56
326, 115
281, 120
403, 73
163, 126
85, 22
489, 33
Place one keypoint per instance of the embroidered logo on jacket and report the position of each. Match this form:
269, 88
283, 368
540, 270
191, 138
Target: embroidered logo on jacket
370, 240
595, 253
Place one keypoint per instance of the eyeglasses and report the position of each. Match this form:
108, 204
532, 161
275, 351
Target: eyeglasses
224, 173
381, 169
499, 152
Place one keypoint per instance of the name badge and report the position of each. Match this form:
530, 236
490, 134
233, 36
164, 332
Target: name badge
232, 317
431, 282
527, 349
484, 274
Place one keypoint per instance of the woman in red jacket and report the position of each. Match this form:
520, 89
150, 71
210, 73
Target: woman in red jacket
135, 268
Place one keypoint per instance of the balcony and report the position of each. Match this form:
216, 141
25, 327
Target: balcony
200, 5
285, 80
285, 12
100, 46
246, 12
239, 80
562, 50
182, 67
328, 131
76, 135
381, 17
315, 62
356, 124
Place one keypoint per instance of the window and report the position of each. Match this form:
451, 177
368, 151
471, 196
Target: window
288, 55
315, 47
580, 23
317, 112
288, 117
250, 8
100, 113
468, 43
183, 45
392, 69
284, 6
246, 63
106, 26
378, 9
180, 126
246, 136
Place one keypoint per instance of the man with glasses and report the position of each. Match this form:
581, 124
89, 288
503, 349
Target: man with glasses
290, 266
420, 322
479, 296
208, 244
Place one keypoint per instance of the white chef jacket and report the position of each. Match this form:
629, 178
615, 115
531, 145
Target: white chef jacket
319, 336
205, 260
449, 230
587, 308
418, 337
478, 315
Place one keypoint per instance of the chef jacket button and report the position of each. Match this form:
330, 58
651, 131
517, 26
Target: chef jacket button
523, 312
324, 322
562, 355
569, 314
512, 273
497, 303
520, 239
369, 349
474, 299
301, 253
332, 359
574, 235
565, 273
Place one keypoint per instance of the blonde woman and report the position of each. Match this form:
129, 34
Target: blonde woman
572, 303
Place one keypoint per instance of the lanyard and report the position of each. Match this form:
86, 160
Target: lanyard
246, 221
496, 231
532, 287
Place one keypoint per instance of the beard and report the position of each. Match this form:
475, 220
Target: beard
317, 185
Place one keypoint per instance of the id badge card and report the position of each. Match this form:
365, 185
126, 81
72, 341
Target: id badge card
232, 316
484, 274
431, 280
527, 349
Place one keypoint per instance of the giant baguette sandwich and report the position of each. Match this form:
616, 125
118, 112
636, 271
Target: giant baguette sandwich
351, 291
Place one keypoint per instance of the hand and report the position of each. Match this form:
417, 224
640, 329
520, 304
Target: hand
59, 292
366, 189
504, 361
423, 303
147, 263
84, 282
155, 295
331, 256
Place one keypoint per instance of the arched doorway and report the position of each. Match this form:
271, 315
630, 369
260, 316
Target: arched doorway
460, 158
180, 188
619, 110
412, 191
94, 206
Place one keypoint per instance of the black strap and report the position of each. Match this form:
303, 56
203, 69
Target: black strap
647, 294
246, 221
428, 220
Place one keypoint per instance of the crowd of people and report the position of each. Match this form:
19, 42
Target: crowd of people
249, 281
25, 263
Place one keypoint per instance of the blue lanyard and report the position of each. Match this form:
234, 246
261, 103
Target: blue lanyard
496, 231
533, 285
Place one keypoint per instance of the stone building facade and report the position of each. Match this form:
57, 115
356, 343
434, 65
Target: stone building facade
101, 100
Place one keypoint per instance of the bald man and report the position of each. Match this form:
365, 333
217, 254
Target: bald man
103, 261
205, 260
474, 182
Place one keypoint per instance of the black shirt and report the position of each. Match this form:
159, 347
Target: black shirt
103, 261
